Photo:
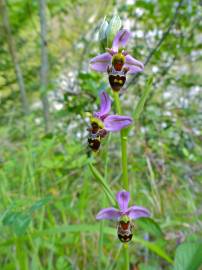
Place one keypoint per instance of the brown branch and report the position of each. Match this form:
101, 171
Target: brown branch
13, 54
44, 64
164, 71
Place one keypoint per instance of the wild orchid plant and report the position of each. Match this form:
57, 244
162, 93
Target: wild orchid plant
118, 64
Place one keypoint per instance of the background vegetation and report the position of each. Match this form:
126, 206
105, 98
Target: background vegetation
48, 196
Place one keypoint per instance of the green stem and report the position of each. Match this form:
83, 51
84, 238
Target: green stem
123, 145
124, 170
101, 234
100, 248
20, 254
126, 255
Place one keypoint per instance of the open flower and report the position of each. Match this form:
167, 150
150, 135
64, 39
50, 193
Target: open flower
123, 213
117, 57
102, 119
102, 122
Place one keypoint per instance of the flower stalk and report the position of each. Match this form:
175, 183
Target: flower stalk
123, 145
101, 233
126, 257
124, 171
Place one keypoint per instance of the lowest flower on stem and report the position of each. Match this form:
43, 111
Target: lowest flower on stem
123, 215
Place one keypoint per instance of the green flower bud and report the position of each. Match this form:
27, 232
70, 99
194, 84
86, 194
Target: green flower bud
112, 29
103, 34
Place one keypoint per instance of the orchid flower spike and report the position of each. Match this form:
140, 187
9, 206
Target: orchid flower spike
117, 57
103, 123
133, 212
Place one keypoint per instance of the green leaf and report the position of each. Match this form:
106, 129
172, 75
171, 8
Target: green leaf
18, 221
9, 218
140, 105
74, 228
102, 181
188, 256
155, 248
21, 223
40, 203
148, 267
150, 226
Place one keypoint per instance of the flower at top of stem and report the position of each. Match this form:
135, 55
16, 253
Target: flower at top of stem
124, 213
102, 122
117, 58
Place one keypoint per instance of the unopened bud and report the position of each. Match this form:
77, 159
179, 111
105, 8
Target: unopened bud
112, 29
88, 114
103, 34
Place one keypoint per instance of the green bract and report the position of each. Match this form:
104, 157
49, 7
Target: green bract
103, 34
112, 29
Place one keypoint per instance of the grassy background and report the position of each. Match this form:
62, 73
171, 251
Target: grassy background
48, 196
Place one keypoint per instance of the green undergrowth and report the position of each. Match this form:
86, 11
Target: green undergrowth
49, 200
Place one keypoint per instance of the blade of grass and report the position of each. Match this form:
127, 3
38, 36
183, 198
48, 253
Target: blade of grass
143, 99
112, 264
102, 181
155, 248
89, 228
140, 106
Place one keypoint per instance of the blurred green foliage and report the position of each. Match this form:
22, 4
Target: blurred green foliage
49, 198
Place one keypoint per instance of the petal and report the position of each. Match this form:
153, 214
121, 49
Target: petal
133, 64
111, 51
101, 62
108, 213
105, 103
120, 39
123, 198
116, 122
136, 212
132, 61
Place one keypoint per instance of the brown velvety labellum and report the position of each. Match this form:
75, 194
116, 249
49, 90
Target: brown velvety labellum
125, 231
125, 238
94, 143
116, 82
